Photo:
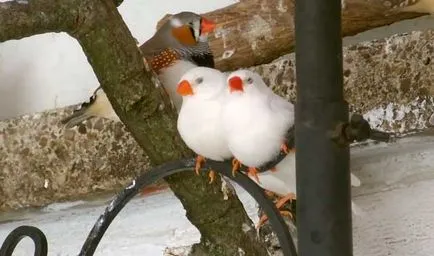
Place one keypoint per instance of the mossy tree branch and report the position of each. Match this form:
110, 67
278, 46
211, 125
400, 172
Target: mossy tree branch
119, 67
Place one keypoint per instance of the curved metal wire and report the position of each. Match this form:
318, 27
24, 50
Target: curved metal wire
12, 240
167, 169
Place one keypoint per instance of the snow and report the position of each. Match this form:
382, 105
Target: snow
146, 226
36, 73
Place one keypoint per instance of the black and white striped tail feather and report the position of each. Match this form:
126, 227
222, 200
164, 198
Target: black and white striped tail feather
80, 115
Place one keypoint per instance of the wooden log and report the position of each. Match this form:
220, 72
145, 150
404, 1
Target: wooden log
254, 32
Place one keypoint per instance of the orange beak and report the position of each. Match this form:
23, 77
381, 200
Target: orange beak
236, 84
184, 88
207, 26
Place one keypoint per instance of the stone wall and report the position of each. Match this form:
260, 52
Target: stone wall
40, 162
389, 81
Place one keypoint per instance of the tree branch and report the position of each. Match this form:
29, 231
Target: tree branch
254, 32
19, 19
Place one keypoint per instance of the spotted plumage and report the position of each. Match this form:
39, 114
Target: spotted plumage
163, 60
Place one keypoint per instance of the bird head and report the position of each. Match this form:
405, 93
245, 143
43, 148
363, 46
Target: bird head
201, 82
185, 33
246, 81
189, 28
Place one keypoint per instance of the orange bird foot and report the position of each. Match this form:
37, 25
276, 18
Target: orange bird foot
235, 166
285, 149
269, 193
199, 161
211, 176
264, 218
289, 197
253, 172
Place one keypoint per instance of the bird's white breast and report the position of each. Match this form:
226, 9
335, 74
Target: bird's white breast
254, 133
200, 126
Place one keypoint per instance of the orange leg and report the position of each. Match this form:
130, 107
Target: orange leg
235, 166
285, 149
211, 176
199, 161
254, 173
269, 193
264, 218
289, 197
279, 204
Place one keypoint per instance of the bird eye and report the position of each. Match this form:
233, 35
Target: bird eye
199, 80
249, 80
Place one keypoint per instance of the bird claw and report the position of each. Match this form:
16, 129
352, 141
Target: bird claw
285, 149
269, 193
211, 176
289, 197
198, 165
264, 218
235, 166
252, 171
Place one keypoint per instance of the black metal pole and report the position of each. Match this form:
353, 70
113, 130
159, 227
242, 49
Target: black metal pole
323, 178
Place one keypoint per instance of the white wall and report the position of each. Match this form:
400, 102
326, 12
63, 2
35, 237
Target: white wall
50, 70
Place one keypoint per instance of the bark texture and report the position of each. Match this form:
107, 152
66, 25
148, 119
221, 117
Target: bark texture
130, 87
254, 32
